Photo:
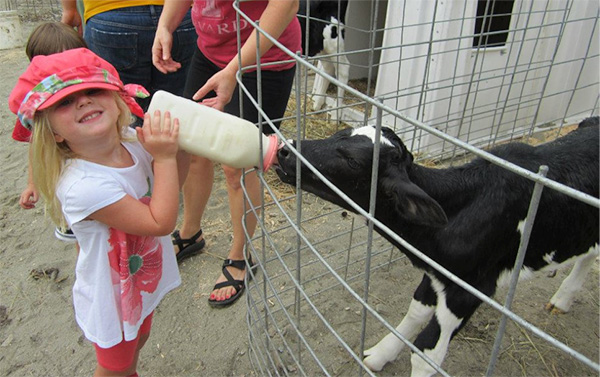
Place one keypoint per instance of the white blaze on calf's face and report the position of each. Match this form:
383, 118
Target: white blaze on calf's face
369, 132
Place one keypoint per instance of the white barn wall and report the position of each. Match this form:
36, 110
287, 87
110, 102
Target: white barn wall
358, 35
481, 95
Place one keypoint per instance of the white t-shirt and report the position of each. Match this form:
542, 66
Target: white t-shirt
119, 278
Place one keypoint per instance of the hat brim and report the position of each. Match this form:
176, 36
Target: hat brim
56, 97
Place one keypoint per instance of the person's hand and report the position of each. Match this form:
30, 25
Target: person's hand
161, 51
72, 18
29, 197
223, 83
160, 140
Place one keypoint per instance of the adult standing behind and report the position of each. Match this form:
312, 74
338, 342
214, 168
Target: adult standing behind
122, 32
212, 78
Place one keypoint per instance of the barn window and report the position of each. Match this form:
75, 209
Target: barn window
492, 22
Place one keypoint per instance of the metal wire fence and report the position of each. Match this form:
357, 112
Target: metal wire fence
36, 10
451, 78
451, 82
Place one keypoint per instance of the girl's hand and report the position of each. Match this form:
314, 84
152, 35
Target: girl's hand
158, 218
160, 140
29, 197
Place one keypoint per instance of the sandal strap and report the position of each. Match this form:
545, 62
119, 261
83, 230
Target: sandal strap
237, 284
230, 282
239, 264
182, 243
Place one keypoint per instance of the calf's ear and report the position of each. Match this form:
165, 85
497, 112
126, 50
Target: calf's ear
412, 204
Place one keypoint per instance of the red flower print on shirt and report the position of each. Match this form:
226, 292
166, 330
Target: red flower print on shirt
138, 262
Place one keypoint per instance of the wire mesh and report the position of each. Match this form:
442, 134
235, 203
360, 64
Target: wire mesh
37, 10
8, 5
451, 82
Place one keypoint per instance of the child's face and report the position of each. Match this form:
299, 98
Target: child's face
84, 116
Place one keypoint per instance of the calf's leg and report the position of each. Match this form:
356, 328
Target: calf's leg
563, 298
419, 312
321, 84
454, 308
342, 74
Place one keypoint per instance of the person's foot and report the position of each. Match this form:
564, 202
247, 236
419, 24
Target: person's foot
228, 291
230, 284
187, 247
65, 235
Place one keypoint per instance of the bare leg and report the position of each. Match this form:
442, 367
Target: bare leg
236, 208
196, 192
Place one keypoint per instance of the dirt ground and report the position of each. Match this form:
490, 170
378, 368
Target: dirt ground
391, 284
39, 336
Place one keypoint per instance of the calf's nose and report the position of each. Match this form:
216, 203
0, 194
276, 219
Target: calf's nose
285, 152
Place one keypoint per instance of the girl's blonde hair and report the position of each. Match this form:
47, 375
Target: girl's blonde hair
48, 158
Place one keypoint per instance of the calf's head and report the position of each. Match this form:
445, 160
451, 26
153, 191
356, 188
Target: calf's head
346, 159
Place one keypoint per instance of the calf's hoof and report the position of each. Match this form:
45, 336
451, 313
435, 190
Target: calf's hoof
554, 310
374, 361
318, 102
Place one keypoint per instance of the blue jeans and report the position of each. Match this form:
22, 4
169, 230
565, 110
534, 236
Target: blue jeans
124, 38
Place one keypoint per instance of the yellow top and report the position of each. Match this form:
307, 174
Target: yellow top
93, 7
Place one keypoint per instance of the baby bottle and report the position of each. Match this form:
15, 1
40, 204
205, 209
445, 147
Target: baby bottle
216, 135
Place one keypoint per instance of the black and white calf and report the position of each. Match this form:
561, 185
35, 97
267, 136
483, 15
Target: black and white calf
467, 218
326, 39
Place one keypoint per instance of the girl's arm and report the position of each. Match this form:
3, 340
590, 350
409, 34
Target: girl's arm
171, 16
274, 20
158, 218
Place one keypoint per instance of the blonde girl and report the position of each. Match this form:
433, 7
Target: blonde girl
118, 193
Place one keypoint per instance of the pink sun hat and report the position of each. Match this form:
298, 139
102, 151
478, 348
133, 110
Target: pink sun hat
48, 79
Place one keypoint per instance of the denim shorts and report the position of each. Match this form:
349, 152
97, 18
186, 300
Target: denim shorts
276, 87
124, 38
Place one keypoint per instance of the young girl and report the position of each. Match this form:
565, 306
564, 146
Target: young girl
119, 195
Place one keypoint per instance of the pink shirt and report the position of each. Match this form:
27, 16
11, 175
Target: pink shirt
215, 23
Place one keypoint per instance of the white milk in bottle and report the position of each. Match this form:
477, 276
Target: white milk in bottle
216, 135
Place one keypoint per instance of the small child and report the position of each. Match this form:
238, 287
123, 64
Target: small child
46, 39
52, 37
119, 195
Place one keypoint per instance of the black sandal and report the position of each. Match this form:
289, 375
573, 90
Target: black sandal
188, 246
239, 285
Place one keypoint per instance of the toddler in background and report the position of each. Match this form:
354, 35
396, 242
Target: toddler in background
46, 39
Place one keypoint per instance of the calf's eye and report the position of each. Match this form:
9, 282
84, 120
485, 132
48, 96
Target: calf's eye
352, 163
